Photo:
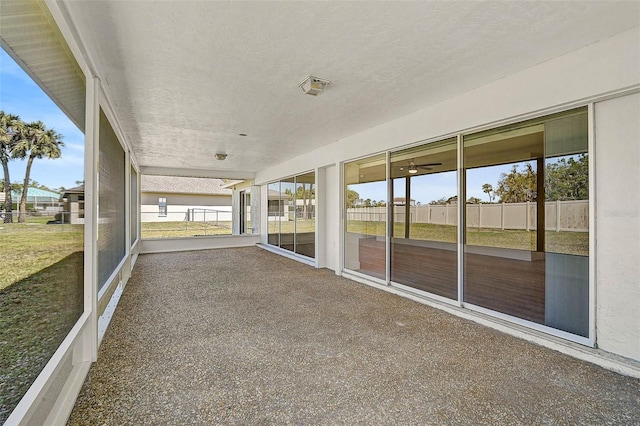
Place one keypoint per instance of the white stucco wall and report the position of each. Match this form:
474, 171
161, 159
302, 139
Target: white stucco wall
605, 69
256, 209
179, 213
151, 198
235, 208
618, 229
328, 218
331, 210
162, 245
205, 206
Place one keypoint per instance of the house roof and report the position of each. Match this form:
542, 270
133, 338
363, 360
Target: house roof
75, 190
183, 185
35, 193
276, 195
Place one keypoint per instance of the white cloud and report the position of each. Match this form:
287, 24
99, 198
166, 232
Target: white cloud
77, 147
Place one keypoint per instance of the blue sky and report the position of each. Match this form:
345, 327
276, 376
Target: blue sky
21, 96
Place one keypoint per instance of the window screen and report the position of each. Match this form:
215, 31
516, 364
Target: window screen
111, 209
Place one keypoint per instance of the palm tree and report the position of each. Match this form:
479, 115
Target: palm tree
488, 189
37, 142
10, 130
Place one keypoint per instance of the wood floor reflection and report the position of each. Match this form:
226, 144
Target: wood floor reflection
513, 287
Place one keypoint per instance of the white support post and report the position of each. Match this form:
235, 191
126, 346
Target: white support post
320, 218
92, 154
127, 209
342, 218
592, 225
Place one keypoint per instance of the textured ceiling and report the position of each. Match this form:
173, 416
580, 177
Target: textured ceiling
186, 78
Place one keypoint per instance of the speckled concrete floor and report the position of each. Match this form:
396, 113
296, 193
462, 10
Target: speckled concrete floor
244, 336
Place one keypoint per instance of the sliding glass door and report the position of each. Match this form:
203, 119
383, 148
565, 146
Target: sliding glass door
523, 207
424, 232
292, 217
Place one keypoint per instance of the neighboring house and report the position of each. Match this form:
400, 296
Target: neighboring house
278, 207
171, 199
281, 204
402, 201
72, 206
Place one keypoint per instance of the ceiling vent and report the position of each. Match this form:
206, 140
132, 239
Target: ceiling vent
313, 85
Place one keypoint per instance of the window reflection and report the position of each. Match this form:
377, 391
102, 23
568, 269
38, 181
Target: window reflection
305, 213
423, 247
291, 217
365, 237
526, 230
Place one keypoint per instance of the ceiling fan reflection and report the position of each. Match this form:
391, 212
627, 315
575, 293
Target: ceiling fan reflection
412, 167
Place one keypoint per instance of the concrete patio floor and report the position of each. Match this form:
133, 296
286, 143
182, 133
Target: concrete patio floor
244, 336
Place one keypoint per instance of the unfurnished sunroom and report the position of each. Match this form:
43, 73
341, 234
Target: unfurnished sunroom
475, 157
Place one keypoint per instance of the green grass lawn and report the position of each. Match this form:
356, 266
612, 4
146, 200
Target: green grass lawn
192, 229
557, 242
26, 248
183, 229
41, 298
287, 227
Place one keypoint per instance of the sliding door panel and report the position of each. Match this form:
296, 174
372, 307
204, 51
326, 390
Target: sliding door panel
423, 244
526, 227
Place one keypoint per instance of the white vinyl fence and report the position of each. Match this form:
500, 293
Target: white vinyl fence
559, 215
151, 213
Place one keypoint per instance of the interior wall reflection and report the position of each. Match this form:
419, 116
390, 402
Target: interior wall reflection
275, 212
527, 224
247, 213
366, 216
424, 233
288, 218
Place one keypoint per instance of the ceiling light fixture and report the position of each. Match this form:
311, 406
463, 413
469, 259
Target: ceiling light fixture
221, 156
313, 85
412, 168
